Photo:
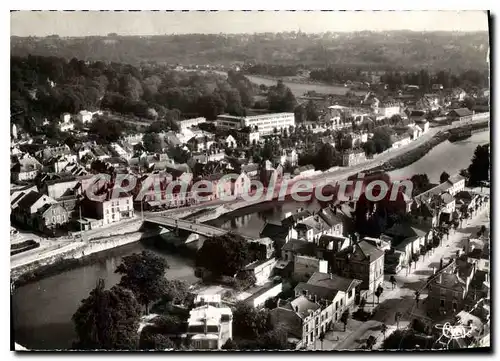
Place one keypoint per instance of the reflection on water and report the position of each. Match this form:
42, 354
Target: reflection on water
42, 311
447, 156
250, 221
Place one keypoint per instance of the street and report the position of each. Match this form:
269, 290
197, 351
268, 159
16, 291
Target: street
402, 297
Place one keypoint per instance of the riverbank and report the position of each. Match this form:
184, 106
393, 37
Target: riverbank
75, 256
41, 264
414, 155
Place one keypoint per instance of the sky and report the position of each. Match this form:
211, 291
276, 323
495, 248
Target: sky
82, 23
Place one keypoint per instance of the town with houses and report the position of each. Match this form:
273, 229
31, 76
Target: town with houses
309, 279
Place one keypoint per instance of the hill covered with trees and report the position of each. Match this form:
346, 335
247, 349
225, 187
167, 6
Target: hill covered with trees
46, 87
385, 50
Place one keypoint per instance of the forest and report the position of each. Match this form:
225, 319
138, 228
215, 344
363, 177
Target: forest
46, 87
395, 50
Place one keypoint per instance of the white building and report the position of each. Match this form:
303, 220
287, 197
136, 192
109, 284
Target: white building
387, 110
356, 139
265, 124
133, 139
262, 270
65, 117
253, 137
289, 156
66, 127
189, 123
85, 116
400, 140
112, 210
14, 131
209, 327
120, 152
230, 142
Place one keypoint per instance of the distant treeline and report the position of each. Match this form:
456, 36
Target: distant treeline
396, 50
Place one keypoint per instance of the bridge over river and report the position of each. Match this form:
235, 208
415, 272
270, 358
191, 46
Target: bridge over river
193, 227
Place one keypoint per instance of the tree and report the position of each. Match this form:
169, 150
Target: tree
144, 274
311, 112
248, 322
345, 317
382, 139
281, 98
325, 158
106, 131
420, 183
175, 291
155, 341
152, 142
229, 345
417, 297
383, 329
464, 173
479, 169
369, 147
469, 103
223, 255
270, 303
274, 339
397, 318
444, 177
178, 154
107, 319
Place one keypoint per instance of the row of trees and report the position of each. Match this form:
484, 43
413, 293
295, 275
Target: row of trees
424, 79
338, 74
272, 69
396, 79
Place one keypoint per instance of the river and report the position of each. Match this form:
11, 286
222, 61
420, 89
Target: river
42, 310
447, 156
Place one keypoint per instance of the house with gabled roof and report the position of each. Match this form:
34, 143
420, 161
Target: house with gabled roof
27, 206
318, 304
50, 216
324, 287
25, 168
364, 261
297, 318
460, 115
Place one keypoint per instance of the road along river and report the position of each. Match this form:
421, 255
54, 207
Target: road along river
42, 310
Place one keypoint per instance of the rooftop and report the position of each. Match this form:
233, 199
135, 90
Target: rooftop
301, 305
332, 282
